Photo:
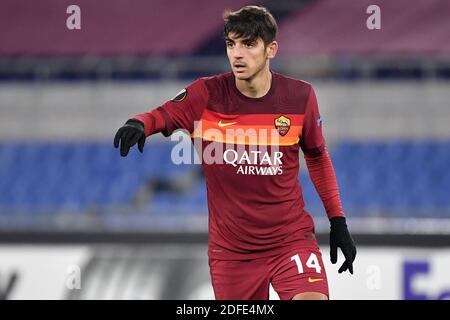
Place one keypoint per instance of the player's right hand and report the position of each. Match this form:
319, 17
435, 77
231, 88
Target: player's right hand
128, 135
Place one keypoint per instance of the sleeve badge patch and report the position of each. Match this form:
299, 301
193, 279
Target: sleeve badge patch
180, 96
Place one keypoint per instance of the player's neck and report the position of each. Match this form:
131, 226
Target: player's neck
257, 86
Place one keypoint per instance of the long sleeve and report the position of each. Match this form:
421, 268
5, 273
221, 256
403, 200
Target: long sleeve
181, 112
323, 177
153, 122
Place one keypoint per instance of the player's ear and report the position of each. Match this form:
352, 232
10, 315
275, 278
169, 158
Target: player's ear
272, 49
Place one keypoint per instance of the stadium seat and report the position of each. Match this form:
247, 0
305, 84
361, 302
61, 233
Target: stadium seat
399, 178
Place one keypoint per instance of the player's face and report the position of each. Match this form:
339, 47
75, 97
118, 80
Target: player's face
248, 58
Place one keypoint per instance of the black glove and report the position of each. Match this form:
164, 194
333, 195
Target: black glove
340, 238
128, 135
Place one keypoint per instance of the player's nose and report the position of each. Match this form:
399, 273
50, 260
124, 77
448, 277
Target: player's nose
237, 53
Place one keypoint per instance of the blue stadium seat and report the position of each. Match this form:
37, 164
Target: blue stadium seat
397, 177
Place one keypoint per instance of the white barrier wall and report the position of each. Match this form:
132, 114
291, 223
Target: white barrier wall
181, 272
38, 272
394, 273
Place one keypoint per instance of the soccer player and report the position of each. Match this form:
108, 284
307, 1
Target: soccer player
259, 231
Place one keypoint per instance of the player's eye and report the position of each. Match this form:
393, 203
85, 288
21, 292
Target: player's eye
230, 44
249, 44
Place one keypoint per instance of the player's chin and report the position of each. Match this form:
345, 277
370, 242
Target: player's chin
242, 75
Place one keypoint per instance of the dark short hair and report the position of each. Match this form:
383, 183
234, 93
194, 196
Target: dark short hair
251, 22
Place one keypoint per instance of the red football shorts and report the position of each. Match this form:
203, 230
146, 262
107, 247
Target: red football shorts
294, 270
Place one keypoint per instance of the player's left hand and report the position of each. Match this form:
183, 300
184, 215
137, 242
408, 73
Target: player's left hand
341, 238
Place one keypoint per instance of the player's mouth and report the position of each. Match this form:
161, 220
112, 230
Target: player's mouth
239, 67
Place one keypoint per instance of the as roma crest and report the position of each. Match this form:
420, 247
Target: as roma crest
283, 125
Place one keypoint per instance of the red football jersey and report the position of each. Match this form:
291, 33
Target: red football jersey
255, 200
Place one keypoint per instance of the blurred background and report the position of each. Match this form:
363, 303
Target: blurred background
77, 221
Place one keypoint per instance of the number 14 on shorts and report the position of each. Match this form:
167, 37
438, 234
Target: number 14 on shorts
312, 263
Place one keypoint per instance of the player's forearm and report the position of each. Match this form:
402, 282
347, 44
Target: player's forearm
323, 177
153, 121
